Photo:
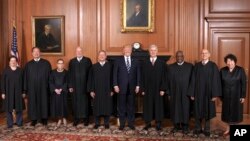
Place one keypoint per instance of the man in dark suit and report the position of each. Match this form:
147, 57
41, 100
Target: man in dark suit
126, 81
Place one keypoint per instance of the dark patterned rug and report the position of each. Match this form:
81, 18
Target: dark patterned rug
82, 133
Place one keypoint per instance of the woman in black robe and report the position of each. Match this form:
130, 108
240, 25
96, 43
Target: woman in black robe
58, 88
233, 80
12, 92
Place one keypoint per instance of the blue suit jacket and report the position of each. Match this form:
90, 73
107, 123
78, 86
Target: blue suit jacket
123, 79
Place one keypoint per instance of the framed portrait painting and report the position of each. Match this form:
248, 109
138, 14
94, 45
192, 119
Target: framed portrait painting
137, 15
48, 34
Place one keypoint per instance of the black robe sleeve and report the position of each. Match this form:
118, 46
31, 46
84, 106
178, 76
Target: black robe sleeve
142, 87
25, 79
115, 73
65, 84
243, 83
216, 82
91, 80
3, 85
52, 83
192, 82
70, 74
163, 86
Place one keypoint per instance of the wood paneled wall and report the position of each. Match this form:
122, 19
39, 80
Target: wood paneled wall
95, 25
187, 25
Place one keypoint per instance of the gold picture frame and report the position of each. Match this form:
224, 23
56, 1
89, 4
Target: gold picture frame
137, 15
48, 34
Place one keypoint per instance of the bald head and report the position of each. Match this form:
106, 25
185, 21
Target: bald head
79, 52
205, 54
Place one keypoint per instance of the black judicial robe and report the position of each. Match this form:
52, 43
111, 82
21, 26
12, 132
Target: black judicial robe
100, 78
153, 81
12, 87
205, 84
36, 85
58, 103
179, 78
233, 88
78, 78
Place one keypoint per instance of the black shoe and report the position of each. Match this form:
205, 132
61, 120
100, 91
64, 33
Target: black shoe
44, 122
75, 123
10, 127
158, 128
121, 128
20, 125
174, 130
185, 131
96, 126
86, 123
33, 123
147, 127
132, 127
106, 126
207, 133
197, 132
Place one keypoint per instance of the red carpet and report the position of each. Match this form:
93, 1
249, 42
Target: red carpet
81, 133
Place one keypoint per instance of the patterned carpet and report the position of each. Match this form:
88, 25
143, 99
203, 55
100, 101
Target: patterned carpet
82, 133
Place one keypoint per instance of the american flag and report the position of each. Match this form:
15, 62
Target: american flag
14, 49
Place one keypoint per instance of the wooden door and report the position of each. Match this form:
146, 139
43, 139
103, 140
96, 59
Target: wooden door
223, 43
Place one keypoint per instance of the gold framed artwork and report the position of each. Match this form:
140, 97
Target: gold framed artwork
48, 34
137, 15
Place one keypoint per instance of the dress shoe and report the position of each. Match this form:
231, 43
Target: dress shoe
132, 127
44, 122
147, 127
207, 133
96, 126
106, 126
185, 131
158, 128
33, 123
75, 123
121, 128
196, 133
174, 130
86, 123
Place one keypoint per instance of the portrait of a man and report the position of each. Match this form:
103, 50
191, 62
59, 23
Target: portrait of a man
137, 15
48, 35
46, 40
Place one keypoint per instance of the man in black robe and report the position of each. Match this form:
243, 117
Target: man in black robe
36, 85
12, 92
78, 77
153, 88
100, 88
204, 89
179, 77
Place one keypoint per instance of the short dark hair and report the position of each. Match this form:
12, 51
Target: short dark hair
35, 48
13, 57
231, 57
